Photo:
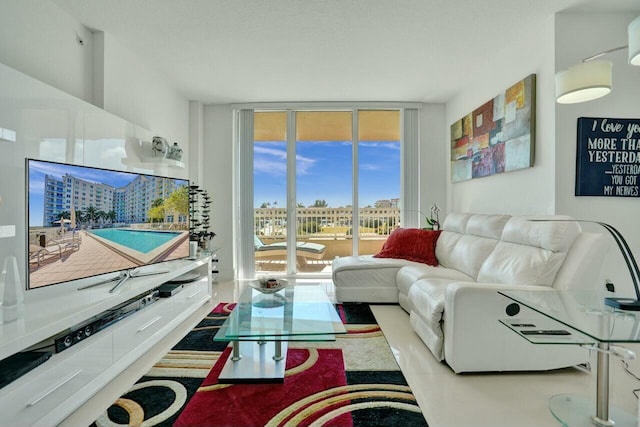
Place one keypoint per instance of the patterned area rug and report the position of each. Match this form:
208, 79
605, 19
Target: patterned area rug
354, 381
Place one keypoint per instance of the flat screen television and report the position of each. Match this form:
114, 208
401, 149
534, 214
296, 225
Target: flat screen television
85, 221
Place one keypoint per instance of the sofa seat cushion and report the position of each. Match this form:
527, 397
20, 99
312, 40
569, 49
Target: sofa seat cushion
366, 271
433, 342
427, 300
409, 274
427, 296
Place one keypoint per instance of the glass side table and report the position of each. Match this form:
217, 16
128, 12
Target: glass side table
579, 318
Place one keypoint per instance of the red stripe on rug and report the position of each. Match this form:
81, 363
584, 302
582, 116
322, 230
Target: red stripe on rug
223, 308
367, 330
257, 404
341, 313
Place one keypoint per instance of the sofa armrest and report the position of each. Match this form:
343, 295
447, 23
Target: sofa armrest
464, 297
471, 322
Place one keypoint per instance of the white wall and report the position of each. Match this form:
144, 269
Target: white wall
218, 181
139, 93
577, 37
433, 149
524, 191
548, 187
38, 38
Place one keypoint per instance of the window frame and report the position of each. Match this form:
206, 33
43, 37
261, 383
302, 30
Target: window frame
244, 259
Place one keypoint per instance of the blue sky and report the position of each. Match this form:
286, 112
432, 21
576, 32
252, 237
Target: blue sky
323, 172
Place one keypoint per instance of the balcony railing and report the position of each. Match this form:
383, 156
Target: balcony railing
331, 227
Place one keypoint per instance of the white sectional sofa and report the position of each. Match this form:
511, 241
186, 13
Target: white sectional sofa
455, 307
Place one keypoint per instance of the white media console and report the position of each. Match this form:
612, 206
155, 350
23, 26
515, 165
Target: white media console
52, 391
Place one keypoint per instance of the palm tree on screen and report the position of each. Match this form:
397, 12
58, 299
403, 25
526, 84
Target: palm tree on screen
91, 215
111, 216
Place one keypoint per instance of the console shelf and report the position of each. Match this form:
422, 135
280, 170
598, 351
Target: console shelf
163, 161
52, 391
54, 310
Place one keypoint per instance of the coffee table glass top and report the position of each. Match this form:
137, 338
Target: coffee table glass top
583, 311
294, 313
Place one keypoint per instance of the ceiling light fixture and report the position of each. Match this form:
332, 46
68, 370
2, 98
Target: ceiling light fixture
584, 82
593, 79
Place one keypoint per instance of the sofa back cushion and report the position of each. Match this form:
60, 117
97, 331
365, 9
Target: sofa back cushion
529, 252
453, 227
468, 239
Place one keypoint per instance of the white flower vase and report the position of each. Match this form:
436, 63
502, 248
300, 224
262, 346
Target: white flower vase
193, 249
12, 292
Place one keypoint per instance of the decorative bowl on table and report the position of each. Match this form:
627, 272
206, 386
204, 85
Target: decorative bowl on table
269, 285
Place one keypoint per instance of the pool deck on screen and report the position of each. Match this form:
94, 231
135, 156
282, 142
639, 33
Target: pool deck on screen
91, 258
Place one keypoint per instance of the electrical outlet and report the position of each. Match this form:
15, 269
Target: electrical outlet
610, 286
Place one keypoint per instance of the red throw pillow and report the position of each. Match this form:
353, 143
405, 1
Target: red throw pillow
412, 244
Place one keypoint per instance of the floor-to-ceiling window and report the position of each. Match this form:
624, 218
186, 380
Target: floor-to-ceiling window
270, 190
378, 177
318, 195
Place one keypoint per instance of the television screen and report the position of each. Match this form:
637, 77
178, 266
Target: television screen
85, 221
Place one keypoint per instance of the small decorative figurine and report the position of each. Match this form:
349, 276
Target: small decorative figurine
175, 152
160, 146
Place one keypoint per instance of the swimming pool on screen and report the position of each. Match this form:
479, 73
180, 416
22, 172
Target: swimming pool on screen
143, 241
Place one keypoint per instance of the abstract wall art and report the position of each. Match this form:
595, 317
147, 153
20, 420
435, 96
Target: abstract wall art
498, 136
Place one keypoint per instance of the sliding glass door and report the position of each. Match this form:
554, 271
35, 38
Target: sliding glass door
324, 188
270, 190
314, 189
378, 178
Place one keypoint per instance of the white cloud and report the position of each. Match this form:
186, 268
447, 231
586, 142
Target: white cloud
371, 167
388, 145
303, 165
267, 151
269, 166
274, 161
36, 186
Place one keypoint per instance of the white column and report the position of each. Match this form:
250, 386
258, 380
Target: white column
195, 153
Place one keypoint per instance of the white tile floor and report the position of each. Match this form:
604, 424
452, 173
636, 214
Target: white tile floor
483, 400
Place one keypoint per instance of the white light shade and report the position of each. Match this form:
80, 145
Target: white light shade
633, 31
584, 82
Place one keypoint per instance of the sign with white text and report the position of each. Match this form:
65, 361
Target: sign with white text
608, 157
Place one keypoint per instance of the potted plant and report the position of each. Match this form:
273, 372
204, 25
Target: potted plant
199, 202
434, 217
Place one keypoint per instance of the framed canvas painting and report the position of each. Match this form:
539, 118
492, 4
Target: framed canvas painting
498, 136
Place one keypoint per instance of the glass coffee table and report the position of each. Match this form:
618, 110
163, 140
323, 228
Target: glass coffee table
579, 318
265, 320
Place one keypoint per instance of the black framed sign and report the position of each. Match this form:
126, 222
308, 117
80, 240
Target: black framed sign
608, 157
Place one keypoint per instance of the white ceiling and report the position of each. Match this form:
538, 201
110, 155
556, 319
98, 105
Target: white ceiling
221, 51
